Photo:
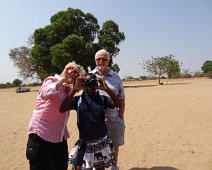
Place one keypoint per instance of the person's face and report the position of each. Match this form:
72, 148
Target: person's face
89, 88
73, 74
102, 61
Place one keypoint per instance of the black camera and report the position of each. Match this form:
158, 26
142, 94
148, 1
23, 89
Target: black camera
90, 80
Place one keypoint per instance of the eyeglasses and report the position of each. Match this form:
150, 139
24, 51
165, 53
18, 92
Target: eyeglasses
103, 59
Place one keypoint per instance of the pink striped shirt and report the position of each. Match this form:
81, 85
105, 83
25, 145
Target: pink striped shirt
47, 122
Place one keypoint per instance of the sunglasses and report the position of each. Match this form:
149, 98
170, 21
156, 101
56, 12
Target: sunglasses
103, 59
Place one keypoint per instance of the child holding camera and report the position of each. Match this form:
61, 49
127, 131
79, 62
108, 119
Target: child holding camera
94, 148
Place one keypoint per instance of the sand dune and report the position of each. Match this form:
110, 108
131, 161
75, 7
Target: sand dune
168, 127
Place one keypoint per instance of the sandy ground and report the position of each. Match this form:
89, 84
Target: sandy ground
168, 127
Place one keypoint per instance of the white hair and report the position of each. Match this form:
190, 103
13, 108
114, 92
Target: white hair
74, 64
102, 52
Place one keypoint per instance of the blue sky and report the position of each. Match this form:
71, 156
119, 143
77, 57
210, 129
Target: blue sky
152, 28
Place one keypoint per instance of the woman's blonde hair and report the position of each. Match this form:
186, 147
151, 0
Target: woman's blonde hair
74, 64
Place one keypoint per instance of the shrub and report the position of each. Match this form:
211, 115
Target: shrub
209, 74
143, 77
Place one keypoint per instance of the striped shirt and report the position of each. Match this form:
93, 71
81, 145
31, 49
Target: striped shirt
47, 122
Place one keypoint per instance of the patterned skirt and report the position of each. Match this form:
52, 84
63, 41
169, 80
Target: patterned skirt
97, 153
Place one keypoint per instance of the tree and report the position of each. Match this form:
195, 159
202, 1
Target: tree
162, 65
109, 39
17, 82
209, 74
207, 66
23, 60
73, 36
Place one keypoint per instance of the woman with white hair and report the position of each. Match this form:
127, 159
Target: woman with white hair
47, 132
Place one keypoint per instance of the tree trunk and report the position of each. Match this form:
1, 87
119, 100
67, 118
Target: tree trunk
159, 79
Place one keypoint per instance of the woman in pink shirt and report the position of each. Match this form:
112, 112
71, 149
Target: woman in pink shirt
47, 147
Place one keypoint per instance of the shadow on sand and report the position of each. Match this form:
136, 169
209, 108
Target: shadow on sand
155, 168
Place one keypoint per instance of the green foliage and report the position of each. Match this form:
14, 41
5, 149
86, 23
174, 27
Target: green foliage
7, 85
207, 66
162, 65
209, 74
128, 78
109, 37
73, 36
115, 67
17, 82
143, 77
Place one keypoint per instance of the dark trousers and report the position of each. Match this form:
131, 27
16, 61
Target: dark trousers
43, 155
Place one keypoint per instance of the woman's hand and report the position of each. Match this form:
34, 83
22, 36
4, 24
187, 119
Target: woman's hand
70, 74
79, 83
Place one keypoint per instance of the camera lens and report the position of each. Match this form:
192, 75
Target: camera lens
93, 83
90, 83
90, 80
